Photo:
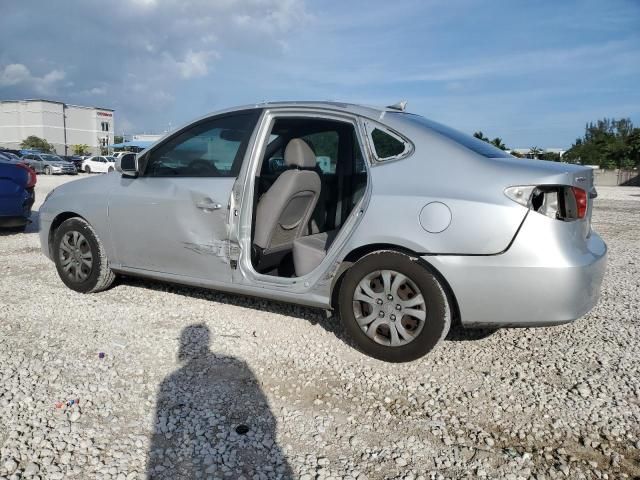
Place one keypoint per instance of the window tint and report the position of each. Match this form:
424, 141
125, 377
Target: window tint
386, 146
325, 146
212, 148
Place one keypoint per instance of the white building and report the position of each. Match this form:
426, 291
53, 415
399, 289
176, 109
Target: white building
60, 124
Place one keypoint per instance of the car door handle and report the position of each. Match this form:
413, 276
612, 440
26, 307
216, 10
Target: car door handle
208, 205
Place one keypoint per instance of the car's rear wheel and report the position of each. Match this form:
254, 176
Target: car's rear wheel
87, 169
80, 258
110, 170
47, 170
393, 307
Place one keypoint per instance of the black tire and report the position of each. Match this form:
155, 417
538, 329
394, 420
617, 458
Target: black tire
437, 318
99, 276
110, 170
87, 169
47, 170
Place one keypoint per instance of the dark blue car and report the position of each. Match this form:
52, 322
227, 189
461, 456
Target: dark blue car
17, 182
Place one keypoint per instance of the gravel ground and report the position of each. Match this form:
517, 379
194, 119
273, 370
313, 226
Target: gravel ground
184, 368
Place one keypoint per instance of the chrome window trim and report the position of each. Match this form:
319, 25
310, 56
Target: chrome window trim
371, 125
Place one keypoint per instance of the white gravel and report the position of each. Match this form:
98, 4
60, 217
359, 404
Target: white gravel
560, 402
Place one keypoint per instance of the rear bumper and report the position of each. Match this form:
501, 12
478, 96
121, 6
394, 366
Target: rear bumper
11, 222
15, 210
550, 275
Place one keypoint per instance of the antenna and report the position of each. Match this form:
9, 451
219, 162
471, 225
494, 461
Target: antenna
400, 106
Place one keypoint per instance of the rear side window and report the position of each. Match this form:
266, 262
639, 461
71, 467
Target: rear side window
385, 145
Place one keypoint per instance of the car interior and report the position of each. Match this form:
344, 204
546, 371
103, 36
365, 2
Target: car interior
311, 177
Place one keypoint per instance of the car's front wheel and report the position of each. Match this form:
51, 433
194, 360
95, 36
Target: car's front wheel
393, 307
87, 169
47, 170
80, 258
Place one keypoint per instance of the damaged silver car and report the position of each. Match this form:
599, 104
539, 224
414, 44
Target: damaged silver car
399, 223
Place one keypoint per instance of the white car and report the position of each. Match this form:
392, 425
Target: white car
98, 164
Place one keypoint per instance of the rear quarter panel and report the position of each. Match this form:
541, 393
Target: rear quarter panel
483, 219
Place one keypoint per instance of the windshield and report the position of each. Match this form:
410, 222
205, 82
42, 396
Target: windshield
475, 144
51, 158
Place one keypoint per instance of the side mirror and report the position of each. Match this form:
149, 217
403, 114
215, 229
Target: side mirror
127, 165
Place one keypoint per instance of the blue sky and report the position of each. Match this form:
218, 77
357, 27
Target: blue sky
532, 73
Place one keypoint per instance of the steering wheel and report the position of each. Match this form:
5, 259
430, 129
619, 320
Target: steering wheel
203, 167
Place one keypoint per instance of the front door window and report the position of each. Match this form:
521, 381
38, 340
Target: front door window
213, 148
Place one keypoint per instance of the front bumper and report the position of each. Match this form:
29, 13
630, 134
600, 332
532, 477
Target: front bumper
550, 275
45, 226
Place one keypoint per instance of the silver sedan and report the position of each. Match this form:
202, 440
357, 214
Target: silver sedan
401, 224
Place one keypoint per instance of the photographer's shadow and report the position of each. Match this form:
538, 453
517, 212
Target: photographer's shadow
212, 419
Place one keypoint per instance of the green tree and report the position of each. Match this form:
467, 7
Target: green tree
498, 143
118, 139
608, 143
481, 136
36, 143
551, 156
80, 149
535, 152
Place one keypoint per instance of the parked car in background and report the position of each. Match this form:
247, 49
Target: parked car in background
407, 227
76, 160
49, 164
17, 182
98, 164
117, 155
11, 156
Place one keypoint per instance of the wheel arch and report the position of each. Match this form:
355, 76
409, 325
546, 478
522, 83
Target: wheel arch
356, 254
57, 221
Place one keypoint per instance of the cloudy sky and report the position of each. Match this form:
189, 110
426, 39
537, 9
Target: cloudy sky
530, 72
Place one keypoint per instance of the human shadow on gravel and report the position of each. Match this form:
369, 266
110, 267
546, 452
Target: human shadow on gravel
212, 419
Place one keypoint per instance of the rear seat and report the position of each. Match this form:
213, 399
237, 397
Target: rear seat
309, 251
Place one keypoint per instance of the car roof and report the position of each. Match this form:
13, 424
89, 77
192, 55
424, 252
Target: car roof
369, 111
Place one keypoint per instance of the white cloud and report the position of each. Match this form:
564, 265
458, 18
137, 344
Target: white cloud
193, 64
136, 53
16, 74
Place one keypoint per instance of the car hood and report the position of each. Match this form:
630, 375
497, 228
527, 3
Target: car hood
57, 163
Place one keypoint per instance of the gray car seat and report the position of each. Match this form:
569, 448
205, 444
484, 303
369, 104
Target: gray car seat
283, 212
308, 252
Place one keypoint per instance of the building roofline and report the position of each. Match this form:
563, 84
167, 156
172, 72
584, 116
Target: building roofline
59, 103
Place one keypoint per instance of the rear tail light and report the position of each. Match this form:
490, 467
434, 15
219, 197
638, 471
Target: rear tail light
581, 201
31, 175
554, 201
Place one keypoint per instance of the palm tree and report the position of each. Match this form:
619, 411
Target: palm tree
498, 143
534, 152
481, 136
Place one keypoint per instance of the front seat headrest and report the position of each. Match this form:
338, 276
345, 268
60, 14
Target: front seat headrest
299, 154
